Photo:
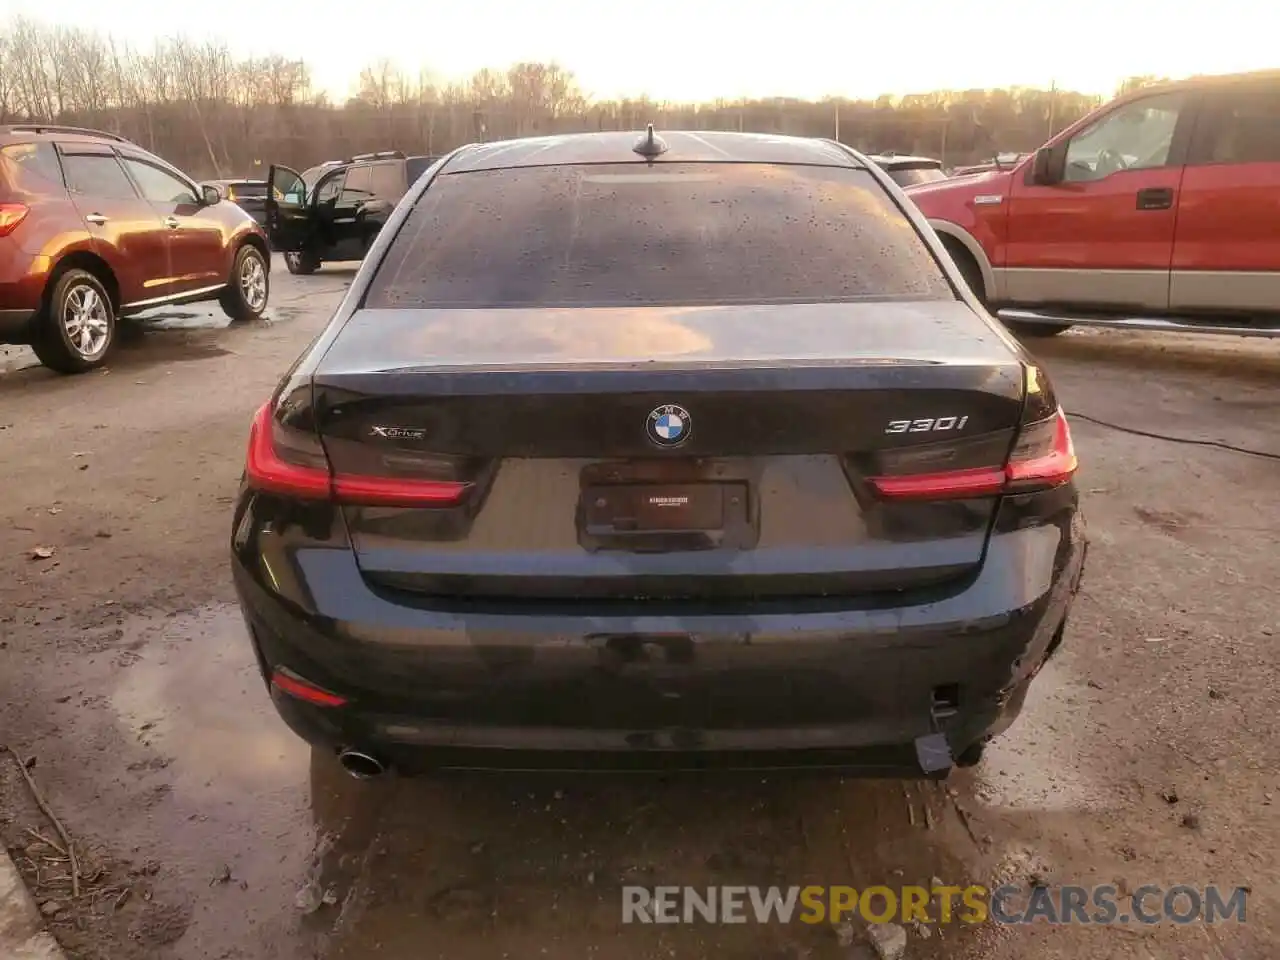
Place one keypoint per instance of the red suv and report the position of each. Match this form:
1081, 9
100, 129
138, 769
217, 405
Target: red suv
1159, 211
93, 228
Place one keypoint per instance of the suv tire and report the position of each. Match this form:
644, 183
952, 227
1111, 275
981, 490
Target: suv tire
248, 287
301, 264
77, 329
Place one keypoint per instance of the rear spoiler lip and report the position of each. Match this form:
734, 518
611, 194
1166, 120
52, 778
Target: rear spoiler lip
869, 335
682, 379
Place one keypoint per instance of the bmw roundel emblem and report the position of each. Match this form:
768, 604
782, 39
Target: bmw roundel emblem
669, 425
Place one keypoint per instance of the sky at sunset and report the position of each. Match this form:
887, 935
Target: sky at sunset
703, 49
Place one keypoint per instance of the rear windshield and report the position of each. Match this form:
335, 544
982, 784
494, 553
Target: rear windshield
249, 189
666, 235
909, 176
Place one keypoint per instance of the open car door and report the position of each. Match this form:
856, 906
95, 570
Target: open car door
290, 219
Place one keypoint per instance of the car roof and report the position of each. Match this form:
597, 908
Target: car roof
683, 146
38, 132
1202, 82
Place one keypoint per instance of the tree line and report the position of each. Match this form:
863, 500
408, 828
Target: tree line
217, 115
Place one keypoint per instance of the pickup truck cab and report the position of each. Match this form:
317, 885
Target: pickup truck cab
1160, 210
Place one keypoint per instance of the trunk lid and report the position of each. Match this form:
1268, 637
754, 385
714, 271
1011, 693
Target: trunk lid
692, 453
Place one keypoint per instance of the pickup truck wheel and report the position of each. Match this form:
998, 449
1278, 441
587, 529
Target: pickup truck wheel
248, 287
301, 264
968, 268
78, 327
1040, 330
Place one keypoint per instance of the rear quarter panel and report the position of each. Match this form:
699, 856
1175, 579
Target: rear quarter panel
53, 224
51, 230
237, 227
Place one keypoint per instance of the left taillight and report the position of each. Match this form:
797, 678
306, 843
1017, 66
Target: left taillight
11, 214
1043, 457
292, 463
285, 461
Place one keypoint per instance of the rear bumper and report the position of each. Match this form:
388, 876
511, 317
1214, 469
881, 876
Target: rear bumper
15, 325
863, 689
22, 281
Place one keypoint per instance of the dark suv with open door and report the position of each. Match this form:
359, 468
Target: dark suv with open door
94, 228
334, 211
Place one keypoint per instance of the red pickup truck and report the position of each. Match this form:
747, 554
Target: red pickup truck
1158, 211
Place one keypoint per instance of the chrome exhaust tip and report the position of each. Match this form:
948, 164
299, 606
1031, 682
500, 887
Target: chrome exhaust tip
361, 765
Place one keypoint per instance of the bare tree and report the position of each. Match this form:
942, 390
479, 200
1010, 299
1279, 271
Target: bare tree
199, 83
32, 91
378, 84
7, 74
87, 68
212, 113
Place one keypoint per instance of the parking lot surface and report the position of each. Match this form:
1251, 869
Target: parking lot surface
1148, 752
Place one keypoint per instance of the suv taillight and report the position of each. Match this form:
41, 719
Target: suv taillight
11, 214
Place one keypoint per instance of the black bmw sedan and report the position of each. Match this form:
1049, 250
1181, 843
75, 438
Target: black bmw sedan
686, 451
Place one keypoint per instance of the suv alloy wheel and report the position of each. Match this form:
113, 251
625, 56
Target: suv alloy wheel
245, 297
78, 326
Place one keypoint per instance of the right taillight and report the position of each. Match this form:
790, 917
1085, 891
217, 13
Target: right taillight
292, 464
11, 214
1043, 457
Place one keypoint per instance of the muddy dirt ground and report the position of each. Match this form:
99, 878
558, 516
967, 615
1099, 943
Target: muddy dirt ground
1148, 752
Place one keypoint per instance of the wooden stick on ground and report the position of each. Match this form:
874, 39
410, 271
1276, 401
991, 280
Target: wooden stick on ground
46, 841
38, 797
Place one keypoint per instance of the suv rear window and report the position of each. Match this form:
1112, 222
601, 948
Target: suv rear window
663, 235
30, 168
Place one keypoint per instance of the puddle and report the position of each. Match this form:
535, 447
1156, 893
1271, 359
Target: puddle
196, 694
181, 319
230, 782
14, 358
